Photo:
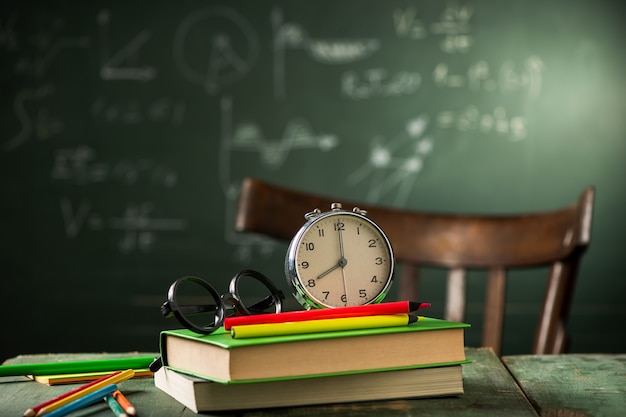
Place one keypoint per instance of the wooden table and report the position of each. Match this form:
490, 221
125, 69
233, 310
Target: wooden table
561, 385
572, 385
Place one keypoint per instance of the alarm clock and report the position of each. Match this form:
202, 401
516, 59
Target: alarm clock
339, 258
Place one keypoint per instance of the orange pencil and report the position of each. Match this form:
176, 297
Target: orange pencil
111, 379
34, 410
123, 401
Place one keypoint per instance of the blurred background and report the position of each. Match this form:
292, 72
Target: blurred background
126, 128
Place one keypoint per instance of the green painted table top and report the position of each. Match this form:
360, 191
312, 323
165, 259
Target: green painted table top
489, 390
572, 385
589, 385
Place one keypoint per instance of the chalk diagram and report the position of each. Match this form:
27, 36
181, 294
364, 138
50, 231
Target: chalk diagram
229, 55
328, 51
394, 165
247, 137
123, 64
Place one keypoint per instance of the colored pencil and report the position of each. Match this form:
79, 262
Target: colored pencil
83, 402
34, 410
82, 378
321, 325
394, 307
126, 405
76, 366
115, 406
113, 379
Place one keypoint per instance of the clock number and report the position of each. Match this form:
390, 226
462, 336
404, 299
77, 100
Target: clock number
311, 283
372, 243
344, 298
379, 261
374, 279
320, 232
362, 294
304, 265
309, 246
339, 226
326, 294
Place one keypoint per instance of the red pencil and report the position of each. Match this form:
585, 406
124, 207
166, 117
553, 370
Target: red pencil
34, 410
394, 307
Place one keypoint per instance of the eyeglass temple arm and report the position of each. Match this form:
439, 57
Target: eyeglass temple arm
266, 302
188, 309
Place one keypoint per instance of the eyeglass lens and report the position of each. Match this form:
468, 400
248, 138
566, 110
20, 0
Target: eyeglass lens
253, 295
197, 304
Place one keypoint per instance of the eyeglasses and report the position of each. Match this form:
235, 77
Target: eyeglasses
200, 308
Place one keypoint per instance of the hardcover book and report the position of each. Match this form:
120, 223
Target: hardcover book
202, 395
221, 358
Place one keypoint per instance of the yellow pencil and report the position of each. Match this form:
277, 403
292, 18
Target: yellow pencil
321, 325
114, 379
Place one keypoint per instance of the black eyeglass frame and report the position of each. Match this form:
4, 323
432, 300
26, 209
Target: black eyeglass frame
226, 301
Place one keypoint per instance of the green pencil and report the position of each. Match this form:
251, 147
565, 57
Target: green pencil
76, 366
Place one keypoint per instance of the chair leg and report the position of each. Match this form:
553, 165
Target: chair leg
455, 297
494, 310
551, 336
560, 340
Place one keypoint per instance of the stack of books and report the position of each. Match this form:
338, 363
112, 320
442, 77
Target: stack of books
219, 372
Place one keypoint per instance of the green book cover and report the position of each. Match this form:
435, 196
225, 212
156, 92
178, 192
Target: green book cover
224, 340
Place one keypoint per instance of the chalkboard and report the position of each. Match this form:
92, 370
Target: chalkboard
126, 128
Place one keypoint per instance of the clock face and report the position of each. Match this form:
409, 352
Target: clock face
342, 259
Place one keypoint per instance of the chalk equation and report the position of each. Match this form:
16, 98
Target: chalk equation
139, 228
136, 110
453, 26
377, 82
35, 114
81, 166
496, 121
509, 78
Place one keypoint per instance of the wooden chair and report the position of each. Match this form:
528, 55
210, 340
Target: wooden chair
457, 242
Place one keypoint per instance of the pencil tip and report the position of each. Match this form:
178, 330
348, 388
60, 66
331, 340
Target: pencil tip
414, 306
412, 318
156, 364
131, 411
29, 413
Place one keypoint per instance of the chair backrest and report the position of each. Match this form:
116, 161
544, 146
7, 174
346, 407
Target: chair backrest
556, 239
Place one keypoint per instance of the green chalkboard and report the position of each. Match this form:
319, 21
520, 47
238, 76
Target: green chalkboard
126, 127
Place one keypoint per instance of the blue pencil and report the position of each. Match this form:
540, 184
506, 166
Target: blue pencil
83, 402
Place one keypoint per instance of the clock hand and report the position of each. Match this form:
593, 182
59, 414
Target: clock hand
341, 263
342, 260
328, 271
345, 285
339, 231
